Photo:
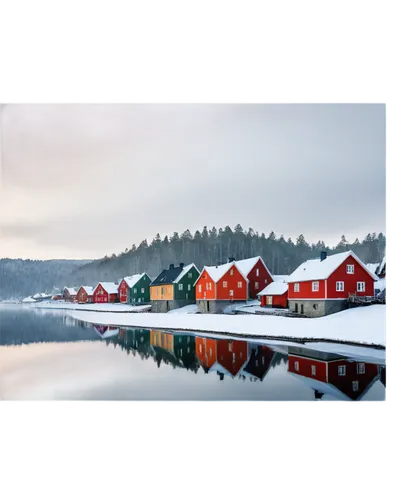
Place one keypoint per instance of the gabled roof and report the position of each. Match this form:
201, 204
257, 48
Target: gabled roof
88, 289
246, 265
184, 271
382, 265
317, 269
372, 267
132, 280
274, 288
280, 277
70, 290
108, 286
170, 276
217, 272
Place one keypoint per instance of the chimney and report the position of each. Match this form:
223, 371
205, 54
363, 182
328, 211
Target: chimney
171, 266
181, 265
231, 259
323, 255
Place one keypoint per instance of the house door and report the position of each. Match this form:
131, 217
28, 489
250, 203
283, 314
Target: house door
269, 300
208, 306
302, 309
296, 307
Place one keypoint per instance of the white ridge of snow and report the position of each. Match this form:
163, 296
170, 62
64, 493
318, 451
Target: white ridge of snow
190, 309
217, 272
132, 280
280, 277
108, 286
274, 288
70, 290
28, 299
382, 265
185, 269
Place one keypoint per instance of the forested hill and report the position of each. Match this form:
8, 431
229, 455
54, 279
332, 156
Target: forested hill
210, 247
20, 278
207, 247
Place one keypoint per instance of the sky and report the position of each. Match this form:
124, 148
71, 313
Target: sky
82, 181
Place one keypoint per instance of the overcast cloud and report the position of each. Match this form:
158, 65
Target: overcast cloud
80, 181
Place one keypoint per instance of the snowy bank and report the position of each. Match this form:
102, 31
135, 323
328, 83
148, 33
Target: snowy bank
114, 308
360, 326
190, 309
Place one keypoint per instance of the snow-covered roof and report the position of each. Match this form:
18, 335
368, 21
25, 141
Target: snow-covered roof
380, 284
185, 269
275, 288
372, 267
132, 280
383, 264
280, 277
70, 290
28, 299
317, 269
108, 286
246, 265
88, 289
217, 272
217, 367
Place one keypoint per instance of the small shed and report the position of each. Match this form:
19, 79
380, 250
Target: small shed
275, 295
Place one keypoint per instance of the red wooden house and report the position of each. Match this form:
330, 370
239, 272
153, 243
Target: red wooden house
69, 294
323, 286
232, 355
206, 352
218, 286
85, 294
274, 295
105, 292
257, 274
328, 374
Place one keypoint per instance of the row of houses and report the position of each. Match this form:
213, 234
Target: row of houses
316, 288
324, 373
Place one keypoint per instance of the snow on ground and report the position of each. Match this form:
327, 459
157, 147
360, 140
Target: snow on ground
361, 325
28, 299
115, 308
190, 309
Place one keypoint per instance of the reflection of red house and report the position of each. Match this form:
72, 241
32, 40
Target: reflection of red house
105, 292
341, 378
85, 294
259, 362
232, 355
206, 352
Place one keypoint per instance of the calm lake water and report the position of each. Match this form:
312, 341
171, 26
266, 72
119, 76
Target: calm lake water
49, 355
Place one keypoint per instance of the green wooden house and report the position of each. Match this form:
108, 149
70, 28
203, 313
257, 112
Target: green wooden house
135, 289
174, 287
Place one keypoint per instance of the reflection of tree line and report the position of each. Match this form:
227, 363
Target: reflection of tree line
227, 357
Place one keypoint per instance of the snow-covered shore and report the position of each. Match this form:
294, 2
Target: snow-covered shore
361, 325
112, 308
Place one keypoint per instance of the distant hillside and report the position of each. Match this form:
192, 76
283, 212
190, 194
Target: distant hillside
20, 278
210, 247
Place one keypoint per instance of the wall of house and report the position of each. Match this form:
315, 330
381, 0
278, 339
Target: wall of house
162, 339
350, 280
214, 306
100, 295
142, 294
280, 301
306, 291
82, 296
258, 283
162, 292
232, 279
187, 282
317, 308
205, 287
123, 292
163, 306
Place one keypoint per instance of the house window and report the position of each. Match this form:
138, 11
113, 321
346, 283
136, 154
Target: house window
189, 288
210, 352
313, 370
350, 269
230, 345
142, 290
360, 286
230, 293
231, 272
265, 281
239, 284
180, 286
355, 385
200, 348
233, 357
296, 366
188, 349
341, 370
210, 286
135, 290
360, 368
190, 275
257, 272
256, 285
340, 286
225, 284
199, 288
297, 287
315, 286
